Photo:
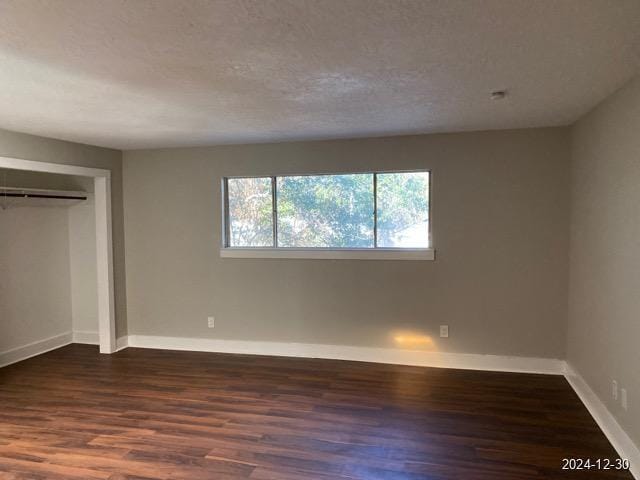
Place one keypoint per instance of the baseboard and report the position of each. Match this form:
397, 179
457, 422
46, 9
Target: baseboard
605, 420
361, 354
89, 338
93, 338
122, 343
35, 348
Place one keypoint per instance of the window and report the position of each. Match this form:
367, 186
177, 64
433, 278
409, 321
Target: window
341, 213
250, 203
328, 211
403, 210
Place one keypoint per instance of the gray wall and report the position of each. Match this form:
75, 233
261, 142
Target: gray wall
30, 147
604, 299
34, 275
500, 224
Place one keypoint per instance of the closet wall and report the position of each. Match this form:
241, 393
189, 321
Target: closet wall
35, 287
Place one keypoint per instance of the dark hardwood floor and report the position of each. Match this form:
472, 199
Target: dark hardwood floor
152, 414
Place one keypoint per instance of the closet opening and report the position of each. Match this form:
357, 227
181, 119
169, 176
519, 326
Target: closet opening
56, 266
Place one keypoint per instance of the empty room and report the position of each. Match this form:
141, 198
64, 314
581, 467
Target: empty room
319, 239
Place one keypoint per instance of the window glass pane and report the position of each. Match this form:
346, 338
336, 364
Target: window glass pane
325, 211
403, 210
250, 212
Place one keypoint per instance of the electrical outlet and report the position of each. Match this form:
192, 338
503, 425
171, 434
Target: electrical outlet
614, 390
623, 398
211, 322
444, 331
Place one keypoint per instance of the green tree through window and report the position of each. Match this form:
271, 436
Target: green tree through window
403, 209
325, 211
250, 212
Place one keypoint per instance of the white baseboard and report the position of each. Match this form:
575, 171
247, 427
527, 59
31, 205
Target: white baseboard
361, 354
34, 348
93, 338
122, 343
605, 420
89, 338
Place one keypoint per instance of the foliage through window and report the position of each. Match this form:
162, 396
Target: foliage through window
250, 205
403, 210
342, 211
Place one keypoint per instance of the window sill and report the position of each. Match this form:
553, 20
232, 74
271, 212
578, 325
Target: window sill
331, 253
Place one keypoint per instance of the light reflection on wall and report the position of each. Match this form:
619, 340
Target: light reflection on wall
411, 340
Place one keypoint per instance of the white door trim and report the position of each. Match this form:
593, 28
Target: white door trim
104, 242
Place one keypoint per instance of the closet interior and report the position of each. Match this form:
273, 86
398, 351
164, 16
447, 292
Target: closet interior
48, 278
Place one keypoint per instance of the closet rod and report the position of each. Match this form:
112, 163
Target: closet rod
40, 195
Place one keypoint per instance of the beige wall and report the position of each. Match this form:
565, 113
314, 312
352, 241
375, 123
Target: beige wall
500, 217
34, 275
30, 147
604, 299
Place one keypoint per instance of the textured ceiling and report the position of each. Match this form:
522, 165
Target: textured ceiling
144, 73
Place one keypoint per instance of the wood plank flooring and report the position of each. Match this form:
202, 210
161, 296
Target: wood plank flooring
153, 414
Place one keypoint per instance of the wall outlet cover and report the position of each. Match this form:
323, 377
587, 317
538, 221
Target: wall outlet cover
444, 331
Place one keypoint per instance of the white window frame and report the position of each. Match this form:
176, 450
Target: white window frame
318, 253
